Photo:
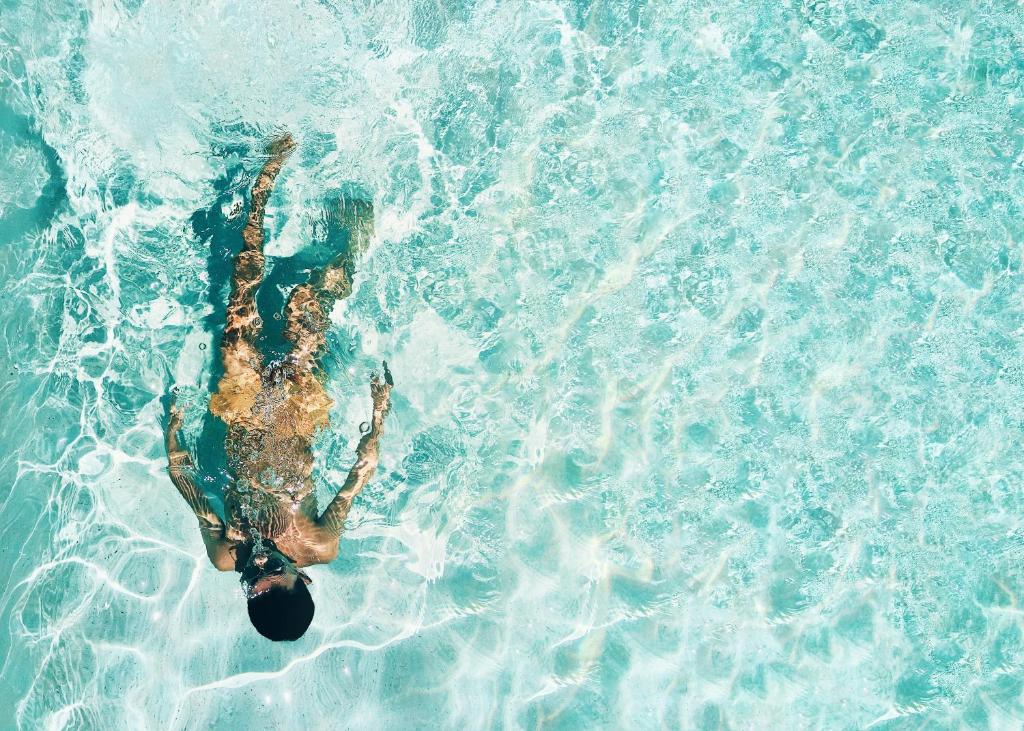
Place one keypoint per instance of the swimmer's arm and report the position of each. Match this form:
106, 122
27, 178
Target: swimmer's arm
179, 464
333, 519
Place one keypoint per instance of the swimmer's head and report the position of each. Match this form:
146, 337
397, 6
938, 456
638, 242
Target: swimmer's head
280, 606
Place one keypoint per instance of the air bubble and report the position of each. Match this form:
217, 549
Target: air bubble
364, 428
202, 346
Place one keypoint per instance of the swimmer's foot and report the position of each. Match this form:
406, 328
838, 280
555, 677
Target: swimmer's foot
355, 213
281, 147
356, 216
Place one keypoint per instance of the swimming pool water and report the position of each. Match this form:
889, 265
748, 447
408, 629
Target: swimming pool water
706, 323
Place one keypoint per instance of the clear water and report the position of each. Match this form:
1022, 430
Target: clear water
706, 321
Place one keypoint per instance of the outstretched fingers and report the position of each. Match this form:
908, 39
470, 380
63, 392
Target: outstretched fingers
380, 392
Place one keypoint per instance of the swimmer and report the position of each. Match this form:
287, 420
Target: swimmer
272, 527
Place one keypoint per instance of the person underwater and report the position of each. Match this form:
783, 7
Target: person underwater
272, 527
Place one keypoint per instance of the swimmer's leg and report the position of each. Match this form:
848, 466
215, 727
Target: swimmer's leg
241, 358
242, 319
309, 305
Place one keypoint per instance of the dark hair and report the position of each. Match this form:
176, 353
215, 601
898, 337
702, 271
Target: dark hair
281, 613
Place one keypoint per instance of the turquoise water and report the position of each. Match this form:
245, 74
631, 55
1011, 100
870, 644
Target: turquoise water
706, 323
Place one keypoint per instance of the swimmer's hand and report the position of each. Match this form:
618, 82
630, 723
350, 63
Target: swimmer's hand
175, 414
380, 392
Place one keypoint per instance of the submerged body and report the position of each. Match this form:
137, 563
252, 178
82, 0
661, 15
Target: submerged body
273, 411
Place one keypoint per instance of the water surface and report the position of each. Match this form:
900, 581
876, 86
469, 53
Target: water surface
706, 326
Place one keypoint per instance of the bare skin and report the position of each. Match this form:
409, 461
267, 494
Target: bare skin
273, 411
